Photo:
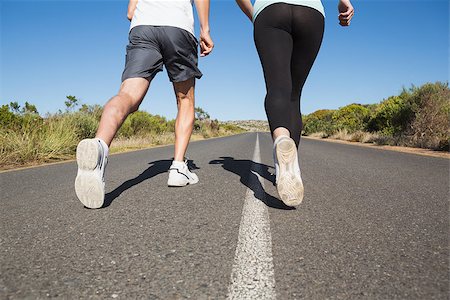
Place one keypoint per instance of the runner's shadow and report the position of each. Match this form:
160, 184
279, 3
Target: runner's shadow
156, 168
247, 170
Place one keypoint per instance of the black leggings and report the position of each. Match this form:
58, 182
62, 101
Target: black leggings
288, 38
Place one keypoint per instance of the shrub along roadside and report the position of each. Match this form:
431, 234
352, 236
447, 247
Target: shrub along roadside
28, 138
417, 117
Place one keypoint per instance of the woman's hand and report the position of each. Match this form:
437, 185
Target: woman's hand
346, 12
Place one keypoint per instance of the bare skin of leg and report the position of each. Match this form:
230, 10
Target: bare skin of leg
279, 132
131, 93
184, 124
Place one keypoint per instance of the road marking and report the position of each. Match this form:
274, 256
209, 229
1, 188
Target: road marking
252, 276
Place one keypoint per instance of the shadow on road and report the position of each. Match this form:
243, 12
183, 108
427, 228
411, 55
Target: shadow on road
155, 168
246, 169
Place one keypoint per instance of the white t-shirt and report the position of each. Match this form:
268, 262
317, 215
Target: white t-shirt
176, 13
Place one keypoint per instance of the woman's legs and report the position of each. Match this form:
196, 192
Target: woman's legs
307, 31
274, 43
287, 38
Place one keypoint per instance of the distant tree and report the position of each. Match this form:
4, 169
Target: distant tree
71, 103
30, 108
84, 108
94, 110
7, 118
200, 114
15, 107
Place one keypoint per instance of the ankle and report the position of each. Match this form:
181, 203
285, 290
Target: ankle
177, 163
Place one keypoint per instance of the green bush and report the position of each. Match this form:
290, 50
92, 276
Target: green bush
142, 123
85, 124
390, 117
93, 110
158, 124
319, 121
7, 118
352, 118
12, 117
171, 125
125, 130
430, 127
27, 137
418, 116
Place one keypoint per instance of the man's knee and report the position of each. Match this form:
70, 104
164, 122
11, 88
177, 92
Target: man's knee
126, 99
132, 92
115, 107
185, 99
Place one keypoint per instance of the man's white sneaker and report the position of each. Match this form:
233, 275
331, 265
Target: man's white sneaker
92, 157
288, 177
179, 174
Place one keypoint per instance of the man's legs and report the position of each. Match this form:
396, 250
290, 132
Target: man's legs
130, 96
179, 174
184, 124
92, 154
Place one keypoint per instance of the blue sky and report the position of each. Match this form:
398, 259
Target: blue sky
51, 49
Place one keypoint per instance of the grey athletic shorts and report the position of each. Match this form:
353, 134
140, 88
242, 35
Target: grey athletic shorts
151, 47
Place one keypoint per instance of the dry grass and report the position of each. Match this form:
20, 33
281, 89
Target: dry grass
27, 139
365, 137
361, 137
50, 141
141, 142
127, 144
320, 134
342, 135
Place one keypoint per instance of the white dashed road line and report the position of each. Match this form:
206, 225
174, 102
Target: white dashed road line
252, 275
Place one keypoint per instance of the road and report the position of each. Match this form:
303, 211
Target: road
374, 224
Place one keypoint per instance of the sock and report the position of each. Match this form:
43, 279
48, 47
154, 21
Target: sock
178, 164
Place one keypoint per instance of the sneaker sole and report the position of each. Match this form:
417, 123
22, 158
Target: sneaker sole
290, 185
88, 187
180, 184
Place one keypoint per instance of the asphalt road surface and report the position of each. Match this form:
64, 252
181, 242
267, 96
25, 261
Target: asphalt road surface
374, 224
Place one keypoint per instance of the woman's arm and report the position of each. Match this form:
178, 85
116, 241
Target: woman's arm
206, 43
346, 12
246, 7
131, 7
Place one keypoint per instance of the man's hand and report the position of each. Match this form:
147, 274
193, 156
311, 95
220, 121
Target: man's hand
346, 12
206, 43
131, 8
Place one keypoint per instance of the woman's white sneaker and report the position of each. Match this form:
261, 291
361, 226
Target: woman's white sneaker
179, 174
288, 177
92, 157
